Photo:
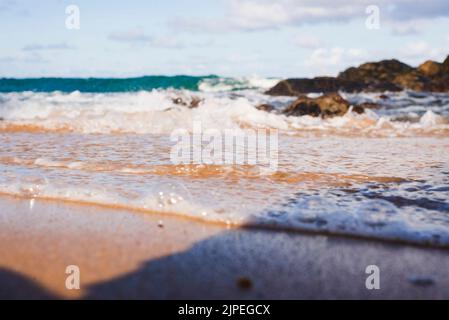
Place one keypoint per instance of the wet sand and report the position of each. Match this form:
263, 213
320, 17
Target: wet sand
130, 255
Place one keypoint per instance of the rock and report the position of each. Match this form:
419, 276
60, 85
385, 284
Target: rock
266, 107
192, 104
429, 76
244, 283
378, 76
383, 71
297, 87
381, 87
387, 75
179, 101
195, 102
369, 77
430, 68
358, 109
329, 105
440, 82
422, 281
413, 80
445, 67
368, 105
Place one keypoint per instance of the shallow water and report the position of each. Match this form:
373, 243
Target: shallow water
384, 174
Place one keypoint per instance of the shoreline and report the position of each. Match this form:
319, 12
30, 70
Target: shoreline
256, 226
124, 254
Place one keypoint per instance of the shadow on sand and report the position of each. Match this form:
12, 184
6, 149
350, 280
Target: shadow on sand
14, 286
260, 264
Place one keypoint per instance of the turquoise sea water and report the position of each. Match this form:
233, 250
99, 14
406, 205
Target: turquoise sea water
102, 84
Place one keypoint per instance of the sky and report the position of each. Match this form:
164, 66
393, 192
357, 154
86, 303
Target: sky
284, 38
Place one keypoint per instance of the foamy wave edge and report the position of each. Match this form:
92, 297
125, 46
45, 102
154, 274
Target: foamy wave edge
331, 221
156, 112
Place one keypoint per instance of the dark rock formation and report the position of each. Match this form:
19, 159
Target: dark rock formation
376, 71
296, 87
446, 66
430, 68
329, 105
359, 109
366, 105
266, 107
386, 75
377, 76
192, 104
440, 81
413, 80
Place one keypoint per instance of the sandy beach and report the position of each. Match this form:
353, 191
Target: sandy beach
129, 255
228, 150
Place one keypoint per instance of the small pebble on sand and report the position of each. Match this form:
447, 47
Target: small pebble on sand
421, 281
244, 283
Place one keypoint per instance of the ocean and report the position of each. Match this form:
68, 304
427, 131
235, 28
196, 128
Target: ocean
382, 175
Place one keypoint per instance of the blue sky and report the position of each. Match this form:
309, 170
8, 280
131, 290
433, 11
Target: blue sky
282, 38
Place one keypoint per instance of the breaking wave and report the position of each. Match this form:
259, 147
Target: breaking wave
162, 111
103, 85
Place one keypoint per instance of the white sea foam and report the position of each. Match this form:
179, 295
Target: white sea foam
337, 175
377, 219
155, 112
231, 84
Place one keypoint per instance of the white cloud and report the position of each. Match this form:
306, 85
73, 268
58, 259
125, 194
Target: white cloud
7, 5
308, 41
406, 27
418, 51
51, 46
132, 36
167, 43
254, 15
24, 57
261, 14
138, 36
330, 61
251, 15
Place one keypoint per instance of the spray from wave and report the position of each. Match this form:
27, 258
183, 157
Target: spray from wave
160, 111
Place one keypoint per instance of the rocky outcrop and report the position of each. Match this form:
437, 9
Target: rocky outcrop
386, 75
440, 81
192, 104
413, 80
326, 106
266, 107
329, 105
383, 71
295, 87
360, 108
378, 76
430, 68
445, 68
